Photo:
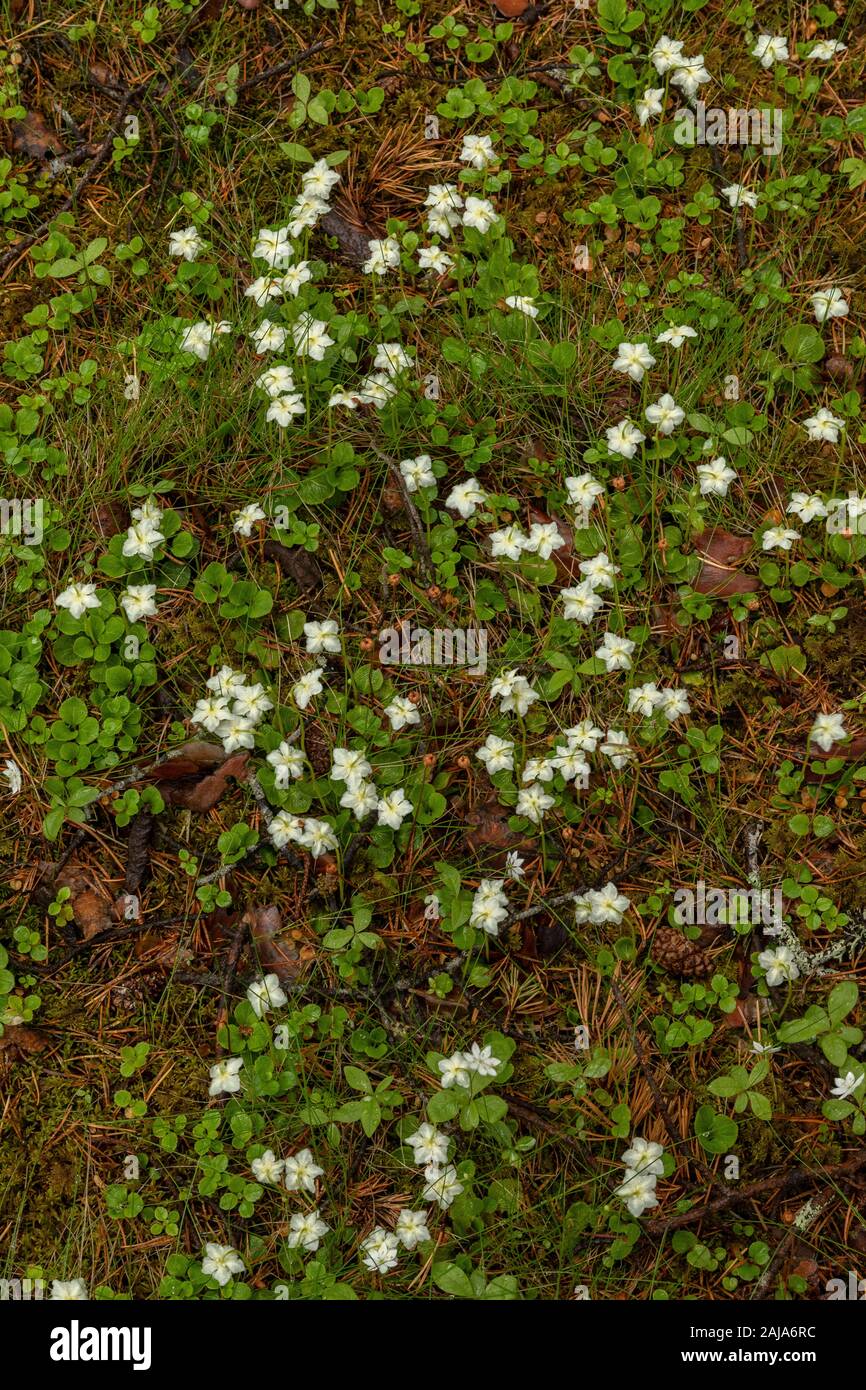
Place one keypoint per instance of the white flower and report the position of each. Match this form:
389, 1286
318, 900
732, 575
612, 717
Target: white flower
624, 439
638, 1192
264, 289
221, 1262
131, 387
211, 712
615, 651
236, 732
296, 277
829, 304
68, 1290
11, 774
268, 337
779, 964
287, 762
634, 359
481, 1060
268, 1168
770, 49
435, 259
514, 693
643, 699
393, 808
739, 196
360, 799
197, 339
667, 54
381, 1251
715, 477
650, 104
480, 214
477, 151
673, 703
608, 905
384, 256
583, 490
665, 414
826, 50
285, 829
317, 837
322, 636
186, 243
351, 400
310, 684
266, 993
533, 801
306, 1231
428, 1145
779, 538
224, 1077
246, 518
616, 747
581, 602
824, 425
411, 1228
443, 1185
443, 198
489, 909
827, 730
392, 358
676, 335
402, 712
311, 337
464, 497
807, 507
274, 247
544, 537
538, 770
77, 599
137, 601
584, 735
283, 409
497, 754
300, 1172
508, 543
320, 179
453, 1071
846, 1085
305, 213
350, 765
277, 380
141, 540
514, 866
377, 389
599, 572
523, 303
690, 74
643, 1156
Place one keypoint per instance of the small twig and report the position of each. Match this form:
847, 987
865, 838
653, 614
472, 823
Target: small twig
781, 1182
287, 66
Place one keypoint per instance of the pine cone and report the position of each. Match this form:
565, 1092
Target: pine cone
674, 953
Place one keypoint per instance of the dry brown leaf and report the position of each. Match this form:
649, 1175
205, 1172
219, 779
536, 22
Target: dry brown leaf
721, 553
35, 139
206, 793
277, 953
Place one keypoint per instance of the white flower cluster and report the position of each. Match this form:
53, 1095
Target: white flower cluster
489, 905
643, 1167
232, 709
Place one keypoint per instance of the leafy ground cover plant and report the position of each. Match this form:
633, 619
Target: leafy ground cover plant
431, 661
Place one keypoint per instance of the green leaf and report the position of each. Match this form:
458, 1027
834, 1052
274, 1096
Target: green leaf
451, 1279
